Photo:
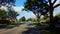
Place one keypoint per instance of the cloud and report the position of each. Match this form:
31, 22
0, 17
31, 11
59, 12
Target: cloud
18, 8
26, 14
3, 7
56, 10
23, 13
57, 2
14, 7
30, 14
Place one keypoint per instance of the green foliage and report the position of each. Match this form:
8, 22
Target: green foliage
13, 23
33, 5
29, 19
3, 14
22, 19
12, 13
38, 7
47, 21
35, 23
4, 2
46, 16
55, 19
58, 15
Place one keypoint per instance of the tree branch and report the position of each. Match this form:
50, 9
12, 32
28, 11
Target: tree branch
56, 5
54, 2
49, 1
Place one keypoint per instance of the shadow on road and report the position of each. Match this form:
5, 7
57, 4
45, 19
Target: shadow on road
31, 30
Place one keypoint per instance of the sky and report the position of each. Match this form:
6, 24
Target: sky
19, 6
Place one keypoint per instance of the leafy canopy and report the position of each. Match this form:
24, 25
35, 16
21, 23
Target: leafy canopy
37, 6
12, 13
9, 2
22, 19
3, 14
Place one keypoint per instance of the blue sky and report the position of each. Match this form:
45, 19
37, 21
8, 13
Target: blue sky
19, 2
19, 6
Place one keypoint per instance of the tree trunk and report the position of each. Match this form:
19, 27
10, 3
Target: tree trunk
52, 27
38, 19
51, 18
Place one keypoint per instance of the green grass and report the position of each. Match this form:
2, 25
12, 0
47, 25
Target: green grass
13, 23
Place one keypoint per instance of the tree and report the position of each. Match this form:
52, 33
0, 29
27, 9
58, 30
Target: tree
52, 6
32, 5
38, 7
3, 14
12, 14
7, 3
22, 19
29, 19
57, 18
4, 2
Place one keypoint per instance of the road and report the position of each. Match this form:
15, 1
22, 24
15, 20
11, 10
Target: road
25, 28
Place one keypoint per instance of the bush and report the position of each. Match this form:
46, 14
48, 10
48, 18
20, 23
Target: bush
57, 19
13, 23
47, 21
37, 24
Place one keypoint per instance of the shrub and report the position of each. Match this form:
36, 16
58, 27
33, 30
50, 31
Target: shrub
57, 19
47, 21
13, 23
